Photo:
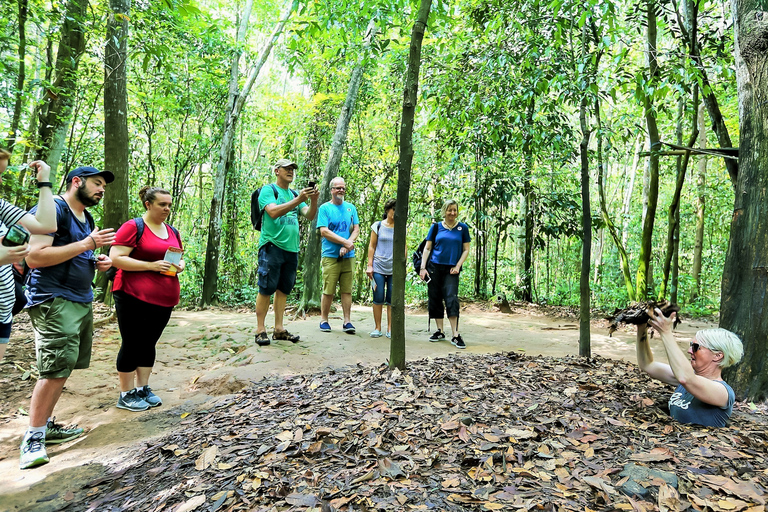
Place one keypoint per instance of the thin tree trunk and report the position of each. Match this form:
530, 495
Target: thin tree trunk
674, 207
235, 104
311, 295
627, 206
701, 203
55, 117
410, 96
743, 299
20, 77
644, 258
528, 195
609, 224
116, 145
586, 231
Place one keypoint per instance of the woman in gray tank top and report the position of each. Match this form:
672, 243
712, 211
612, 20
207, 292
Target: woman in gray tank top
380, 267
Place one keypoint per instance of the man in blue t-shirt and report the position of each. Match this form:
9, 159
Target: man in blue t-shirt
339, 227
59, 297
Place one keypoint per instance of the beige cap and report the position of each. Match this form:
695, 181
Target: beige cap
284, 162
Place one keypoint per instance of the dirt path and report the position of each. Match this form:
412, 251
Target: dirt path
209, 353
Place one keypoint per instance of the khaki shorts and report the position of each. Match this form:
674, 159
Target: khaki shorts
63, 336
340, 272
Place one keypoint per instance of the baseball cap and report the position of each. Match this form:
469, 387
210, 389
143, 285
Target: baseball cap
84, 172
284, 162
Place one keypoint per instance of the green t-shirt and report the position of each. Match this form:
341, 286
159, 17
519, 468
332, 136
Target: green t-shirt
282, 231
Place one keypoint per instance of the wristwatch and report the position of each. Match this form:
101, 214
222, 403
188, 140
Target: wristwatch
41, 184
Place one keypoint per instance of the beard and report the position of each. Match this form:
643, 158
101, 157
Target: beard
87, 200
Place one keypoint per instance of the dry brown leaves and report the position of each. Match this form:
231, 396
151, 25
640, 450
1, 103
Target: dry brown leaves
493, 432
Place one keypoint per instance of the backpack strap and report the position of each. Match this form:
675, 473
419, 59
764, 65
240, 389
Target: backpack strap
140, 225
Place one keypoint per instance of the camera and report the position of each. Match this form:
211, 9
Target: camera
16, 236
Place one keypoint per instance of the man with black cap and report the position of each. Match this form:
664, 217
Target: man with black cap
279, 246
59, 297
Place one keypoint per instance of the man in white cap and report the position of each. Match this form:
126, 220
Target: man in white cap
279, 246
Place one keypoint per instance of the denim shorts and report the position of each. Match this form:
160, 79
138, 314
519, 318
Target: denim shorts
380, 296
277, 269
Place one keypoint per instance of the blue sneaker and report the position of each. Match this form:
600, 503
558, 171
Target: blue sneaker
146, 394
375, 333
325, 327
349, 328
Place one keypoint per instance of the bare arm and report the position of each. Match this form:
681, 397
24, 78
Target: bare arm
424, 259
706, 390
43, 254
336, 239
120, 255
44, 220
278, 210
310, 212
656, 370
371, 251
462, 259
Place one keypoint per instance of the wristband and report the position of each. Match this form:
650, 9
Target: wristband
41, 184
95, 246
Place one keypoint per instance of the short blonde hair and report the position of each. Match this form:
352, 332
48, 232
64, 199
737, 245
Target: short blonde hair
5, 154
447, 204
723, 341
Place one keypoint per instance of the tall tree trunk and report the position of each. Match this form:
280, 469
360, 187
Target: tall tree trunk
609, 224
674, 207
701, 203
586, 229
689, 31
235, 104
20, 77
311, 295
55, 115
745, 279
116, 145
410, 96
528, 197
644, 259
627, 205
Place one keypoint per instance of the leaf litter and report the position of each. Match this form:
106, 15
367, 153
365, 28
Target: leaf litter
471, 432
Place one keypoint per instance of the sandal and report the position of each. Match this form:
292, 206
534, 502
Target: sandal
262, 339
285, 335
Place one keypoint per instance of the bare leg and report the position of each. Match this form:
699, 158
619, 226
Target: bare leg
142, 375
279, 308
2, 350
439, 323
44, 398
325, 306
389, 318
454, 320
262, 306
127, 381
377, 316
346, 306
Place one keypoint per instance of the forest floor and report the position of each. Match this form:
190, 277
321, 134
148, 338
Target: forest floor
205, 354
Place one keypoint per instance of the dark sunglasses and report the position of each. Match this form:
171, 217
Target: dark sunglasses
696, 346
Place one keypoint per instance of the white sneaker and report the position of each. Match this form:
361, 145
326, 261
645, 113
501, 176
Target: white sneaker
33, 451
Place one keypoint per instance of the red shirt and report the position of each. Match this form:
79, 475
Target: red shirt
148, 286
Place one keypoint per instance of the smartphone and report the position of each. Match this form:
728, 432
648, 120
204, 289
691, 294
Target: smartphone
311, 184
16, 236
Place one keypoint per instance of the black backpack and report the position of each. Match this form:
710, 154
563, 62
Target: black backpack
418, 254
257, 214
139, 221
20, 276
